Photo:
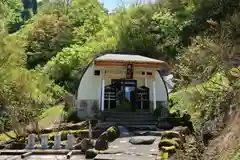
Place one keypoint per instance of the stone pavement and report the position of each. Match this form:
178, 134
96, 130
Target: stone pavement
121, 149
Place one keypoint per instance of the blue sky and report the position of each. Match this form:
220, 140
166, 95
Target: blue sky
112, 4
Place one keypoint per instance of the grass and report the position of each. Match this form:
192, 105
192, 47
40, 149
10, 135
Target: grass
50, 116
4, 137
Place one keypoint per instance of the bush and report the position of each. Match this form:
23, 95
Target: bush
72, 116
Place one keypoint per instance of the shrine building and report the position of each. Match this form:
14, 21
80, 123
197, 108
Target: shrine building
121, 81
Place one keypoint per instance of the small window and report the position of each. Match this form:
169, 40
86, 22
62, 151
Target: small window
143, 73
97, 72
149, 73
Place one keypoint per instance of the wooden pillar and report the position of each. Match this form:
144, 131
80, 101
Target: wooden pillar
145, 79
102, 90
154, 95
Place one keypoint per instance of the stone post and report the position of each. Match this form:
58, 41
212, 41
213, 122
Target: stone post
89, 129
57, 141
44, 141
70, 141
31, 141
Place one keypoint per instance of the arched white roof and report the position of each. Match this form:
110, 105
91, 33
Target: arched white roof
127, 57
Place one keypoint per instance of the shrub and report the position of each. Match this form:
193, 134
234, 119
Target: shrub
72, 116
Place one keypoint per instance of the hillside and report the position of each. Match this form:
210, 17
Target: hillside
45, 46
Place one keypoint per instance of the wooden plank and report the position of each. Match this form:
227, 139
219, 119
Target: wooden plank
69, 154
123, 64
26, 154
38, 151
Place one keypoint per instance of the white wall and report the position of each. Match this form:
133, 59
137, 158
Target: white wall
89, 89
89, 86
161, 93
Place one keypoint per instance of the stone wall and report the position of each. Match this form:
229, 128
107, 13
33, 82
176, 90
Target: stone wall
87, 108
162, 106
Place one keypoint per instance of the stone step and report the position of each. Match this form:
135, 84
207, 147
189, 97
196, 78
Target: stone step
142, 127
112, 113
129, 115
141, 118
124, 123
131, 120
112, 119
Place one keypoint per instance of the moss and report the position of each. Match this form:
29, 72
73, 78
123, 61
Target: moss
167, 143
113, 133
164, 155
112, 130
169, 148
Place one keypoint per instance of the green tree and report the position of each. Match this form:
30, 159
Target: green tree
48, 36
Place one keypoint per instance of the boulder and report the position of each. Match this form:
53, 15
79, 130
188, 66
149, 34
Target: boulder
84, 145
91, 153
142, 140
181, 130
169, 149
164, 125
72, 126
112, 133
102, 142
172, 134
47, 130
104, 125
2, 146
16, 145
141, 133
167, 143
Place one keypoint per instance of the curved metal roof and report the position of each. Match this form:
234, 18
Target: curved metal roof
128, 58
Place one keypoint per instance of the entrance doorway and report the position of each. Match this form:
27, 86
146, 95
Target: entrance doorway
125, 91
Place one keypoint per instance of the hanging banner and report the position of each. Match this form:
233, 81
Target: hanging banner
130, 69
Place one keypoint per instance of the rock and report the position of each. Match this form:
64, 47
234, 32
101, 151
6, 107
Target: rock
148, 133
77, 146
169, 149
124, 132
181, 129
167, 142
164, 125
84, 145
112, 133
102, 142
16, 145
171, 134
141, 133
47, 130
104, 125
142, 140
72, 126
64, 126
2, 146
91, 153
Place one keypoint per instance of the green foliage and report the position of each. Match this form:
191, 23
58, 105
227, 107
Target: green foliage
47, 37
23, 93
72, 116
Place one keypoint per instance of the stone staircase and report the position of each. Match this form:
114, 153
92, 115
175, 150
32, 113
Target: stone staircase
139, 120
